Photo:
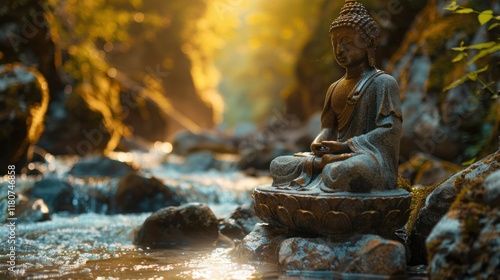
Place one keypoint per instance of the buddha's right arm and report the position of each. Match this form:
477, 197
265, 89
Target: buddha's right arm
325, 134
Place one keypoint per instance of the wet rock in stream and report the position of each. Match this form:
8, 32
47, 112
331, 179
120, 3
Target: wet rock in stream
137, 194
29, 210
100, 167
192, 224
240, 223
56, 193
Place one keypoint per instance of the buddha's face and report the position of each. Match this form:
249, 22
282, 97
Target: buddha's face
349, 48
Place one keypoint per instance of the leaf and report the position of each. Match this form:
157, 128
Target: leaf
469, 162
479, 46
494, 25
455, 83
464, 11
452, 7
459, 57
471, 76
485, 16
482, 69
484, 53
482, 45
461, 48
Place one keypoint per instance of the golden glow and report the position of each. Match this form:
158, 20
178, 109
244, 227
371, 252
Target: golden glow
121, 156
112, 72
139, 17
165, 147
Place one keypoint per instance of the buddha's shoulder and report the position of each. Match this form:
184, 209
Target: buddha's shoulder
385, 81
385, 78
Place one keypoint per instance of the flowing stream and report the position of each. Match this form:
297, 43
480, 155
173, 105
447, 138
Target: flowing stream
94, 245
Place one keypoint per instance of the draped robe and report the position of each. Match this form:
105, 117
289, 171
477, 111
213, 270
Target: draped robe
371, 126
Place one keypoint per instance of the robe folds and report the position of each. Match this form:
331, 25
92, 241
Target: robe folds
371, 124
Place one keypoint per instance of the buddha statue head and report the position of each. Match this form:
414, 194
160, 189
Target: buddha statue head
365, 32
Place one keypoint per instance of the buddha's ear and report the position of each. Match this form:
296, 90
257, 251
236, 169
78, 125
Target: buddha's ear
371, 56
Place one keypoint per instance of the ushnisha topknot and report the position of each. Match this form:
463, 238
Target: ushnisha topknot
354, 14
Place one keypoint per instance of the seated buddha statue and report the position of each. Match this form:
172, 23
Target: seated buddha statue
357, 149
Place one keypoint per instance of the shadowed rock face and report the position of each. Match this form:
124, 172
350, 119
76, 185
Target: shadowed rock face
192, 224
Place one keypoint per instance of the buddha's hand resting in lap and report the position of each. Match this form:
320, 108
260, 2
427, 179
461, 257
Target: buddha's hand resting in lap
320, 162
330, 147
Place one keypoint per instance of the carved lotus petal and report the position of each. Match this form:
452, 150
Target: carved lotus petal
285, 217
404, 204
291, 204
367, 220
263, 212
306, 220
380, 205
319, 207
351, 206
272, 202
392, 219
256, 197
336, 222
334, 203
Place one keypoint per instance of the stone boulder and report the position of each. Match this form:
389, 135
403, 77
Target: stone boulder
100, 167
465, 244
356, 254
137, 194
24, 99
353, 254
56, 193
438, 202
262, 244
26, 209
240, 223
192, 224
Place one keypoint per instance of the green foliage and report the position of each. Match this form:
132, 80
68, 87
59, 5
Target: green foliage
476, 51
